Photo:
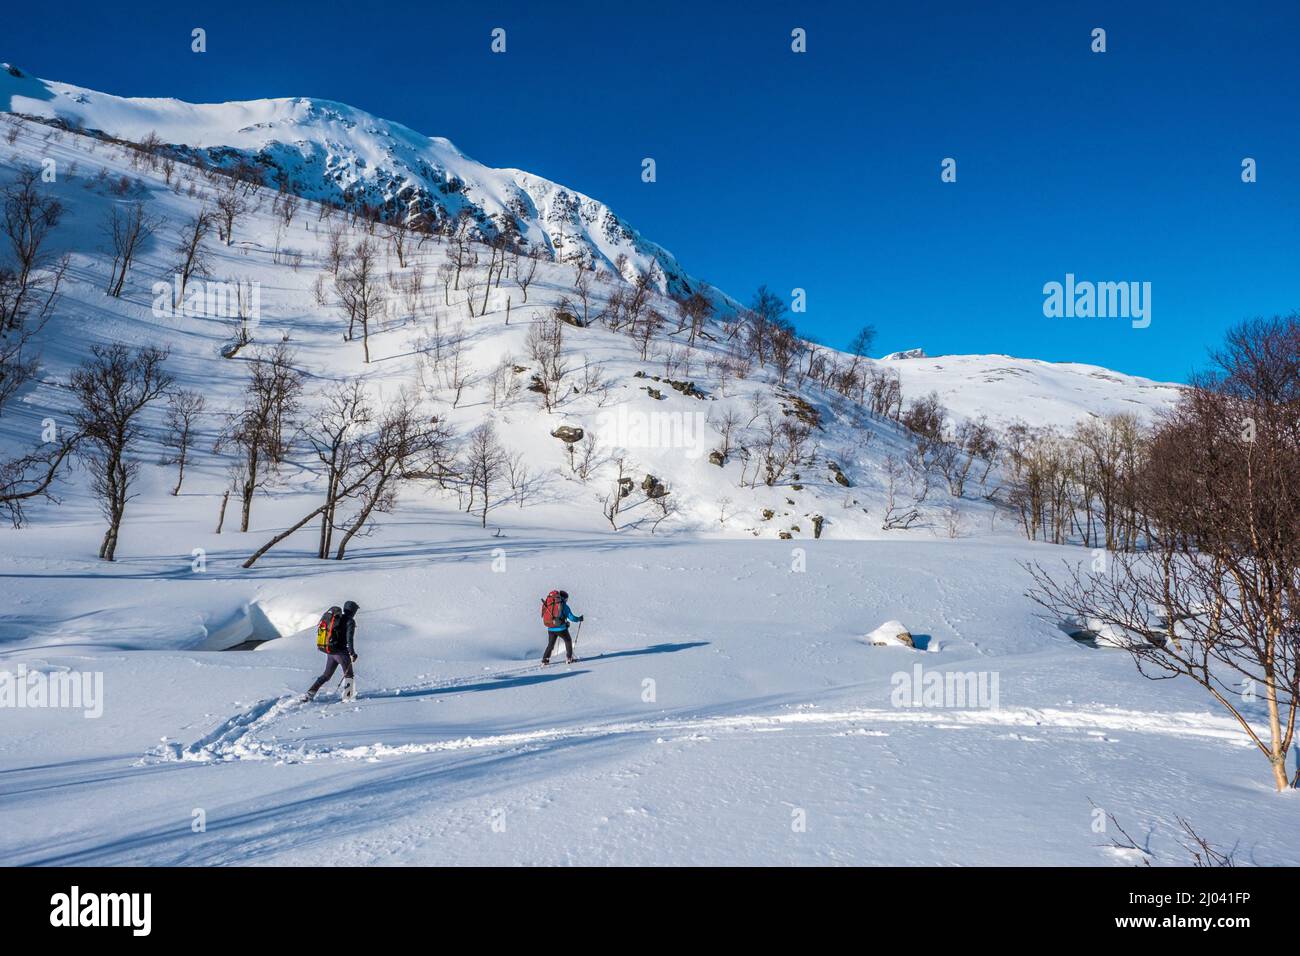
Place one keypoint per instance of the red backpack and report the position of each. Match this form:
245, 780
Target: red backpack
325, 629
553, 610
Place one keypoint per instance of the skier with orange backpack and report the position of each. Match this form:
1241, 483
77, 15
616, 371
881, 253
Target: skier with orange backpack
334, 636
556, 615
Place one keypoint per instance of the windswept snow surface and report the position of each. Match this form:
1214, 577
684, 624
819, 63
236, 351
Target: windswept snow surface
726, 709
721, 699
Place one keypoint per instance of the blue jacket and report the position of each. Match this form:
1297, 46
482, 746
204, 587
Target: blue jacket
566, 615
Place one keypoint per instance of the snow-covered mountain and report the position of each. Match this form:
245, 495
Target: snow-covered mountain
324, 150
841, 480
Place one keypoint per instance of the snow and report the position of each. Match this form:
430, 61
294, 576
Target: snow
763, 703
890, 634
1007, 390
1107, 634
726, 708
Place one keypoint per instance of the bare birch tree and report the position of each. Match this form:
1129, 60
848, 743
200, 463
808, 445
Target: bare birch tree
112, 388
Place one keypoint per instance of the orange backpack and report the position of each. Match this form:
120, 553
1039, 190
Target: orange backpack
325, 629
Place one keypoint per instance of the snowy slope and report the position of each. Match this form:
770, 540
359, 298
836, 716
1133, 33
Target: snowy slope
1007, 389
325, 150
711, 499
842, 479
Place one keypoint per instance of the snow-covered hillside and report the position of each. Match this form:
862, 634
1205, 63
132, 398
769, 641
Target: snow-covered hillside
625, 400
324, 150
1007, 389
726, 709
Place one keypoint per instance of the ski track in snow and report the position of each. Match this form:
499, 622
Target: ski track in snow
237, 738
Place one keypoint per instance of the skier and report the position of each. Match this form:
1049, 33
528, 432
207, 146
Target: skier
341, 654
556, 615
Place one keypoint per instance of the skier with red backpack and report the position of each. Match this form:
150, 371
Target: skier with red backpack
334, 636
556, 615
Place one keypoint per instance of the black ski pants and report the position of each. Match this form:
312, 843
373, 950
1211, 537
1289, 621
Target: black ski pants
335, 660
550, 643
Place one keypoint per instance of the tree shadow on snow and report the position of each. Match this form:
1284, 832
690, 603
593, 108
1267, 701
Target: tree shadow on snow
652, 649
311, 815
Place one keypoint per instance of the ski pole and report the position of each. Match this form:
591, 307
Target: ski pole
575, 639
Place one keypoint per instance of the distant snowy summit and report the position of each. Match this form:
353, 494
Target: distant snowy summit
908, 354
1005, 389
324, 150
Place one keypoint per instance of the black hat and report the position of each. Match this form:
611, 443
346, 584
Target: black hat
350, 607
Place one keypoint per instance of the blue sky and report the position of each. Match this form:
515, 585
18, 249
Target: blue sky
821, 170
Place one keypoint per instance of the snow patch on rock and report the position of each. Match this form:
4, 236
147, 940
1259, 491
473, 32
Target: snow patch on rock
890, 634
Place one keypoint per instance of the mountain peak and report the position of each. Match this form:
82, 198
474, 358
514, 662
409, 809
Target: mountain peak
906, 354
329, 151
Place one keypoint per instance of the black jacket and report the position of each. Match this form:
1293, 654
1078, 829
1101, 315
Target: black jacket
344, 633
